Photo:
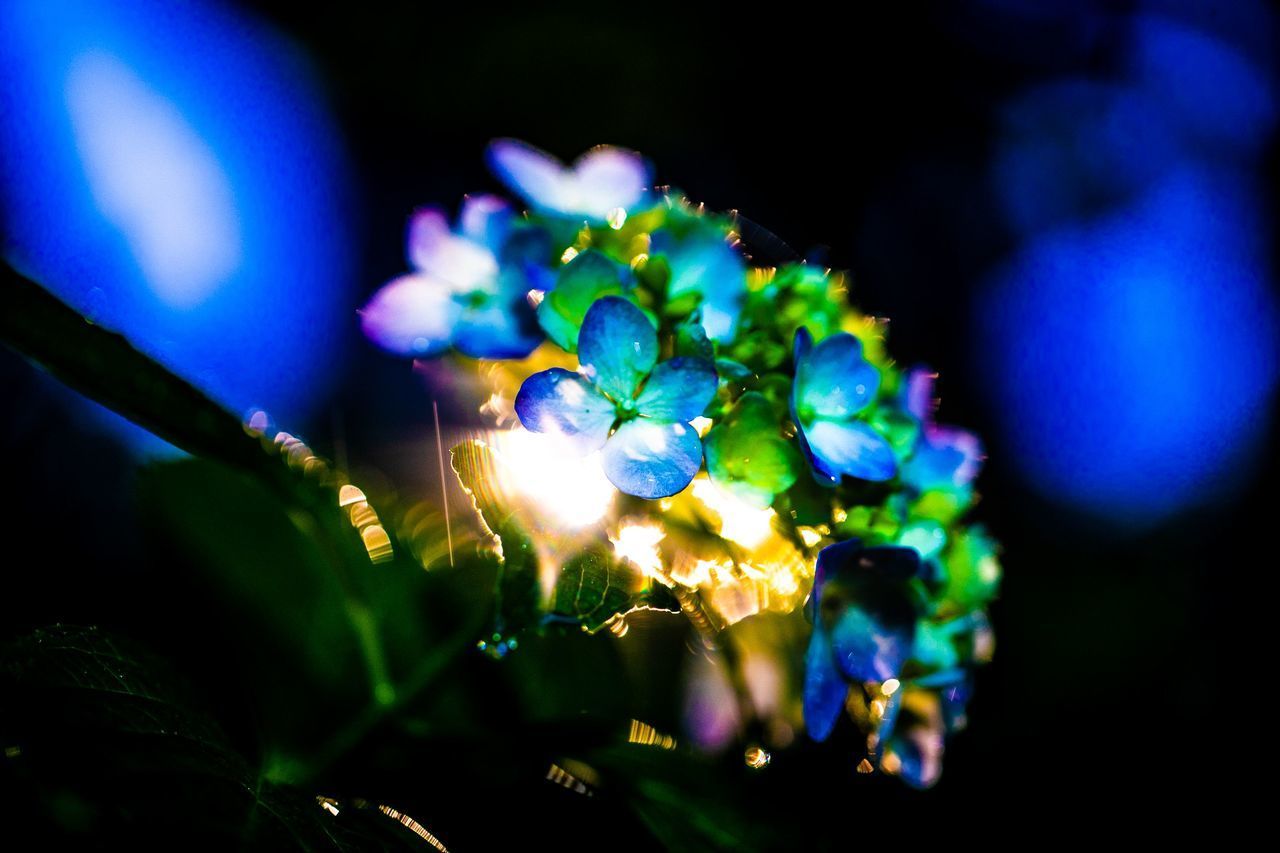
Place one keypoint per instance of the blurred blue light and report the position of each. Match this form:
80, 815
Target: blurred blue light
1073, 147
1210, 86
1132, 340
169, 170
1134, 357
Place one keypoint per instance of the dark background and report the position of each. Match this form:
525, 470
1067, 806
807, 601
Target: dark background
864, 139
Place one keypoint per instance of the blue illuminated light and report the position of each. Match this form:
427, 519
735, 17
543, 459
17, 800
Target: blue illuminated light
1134, 357
169, 170
1130, 344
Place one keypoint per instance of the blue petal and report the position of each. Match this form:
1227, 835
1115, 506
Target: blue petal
945, 458
851, 449
678, 390
413, 315
609, 177
917, 394
486, 219
864, 602
867, 649
530, 172
713, 269
649, 459
601, 179
560, 401
833, 380
617, 347
831, 561
802, 346
438, 252
824, 688
918, 747
496, 331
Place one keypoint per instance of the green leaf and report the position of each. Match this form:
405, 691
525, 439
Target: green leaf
973, 571
105, 367
518, 591
685, 801
900, 428
691, 340
747, 455
594, 587
582, 281
315, 620
114, 751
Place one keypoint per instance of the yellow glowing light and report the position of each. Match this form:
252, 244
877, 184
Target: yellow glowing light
739, 521
702, 425
989, 569
890, 687
643, 733
639, 260
757, 758
413, 826
553, 476
699, 573
838, 515
865, 767
617, 217
564, 778
377, 543
638, 542
782, 581
735, 598
349, 494
809, 536
569, 254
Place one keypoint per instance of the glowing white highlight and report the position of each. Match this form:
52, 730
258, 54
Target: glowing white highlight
554, 477
155, 179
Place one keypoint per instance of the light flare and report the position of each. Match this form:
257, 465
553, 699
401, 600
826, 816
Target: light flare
637, 542
552, 478
740, 522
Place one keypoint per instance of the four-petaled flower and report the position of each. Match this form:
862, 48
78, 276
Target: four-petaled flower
864, 625
603, 180
623, 401
833, 383
468, 290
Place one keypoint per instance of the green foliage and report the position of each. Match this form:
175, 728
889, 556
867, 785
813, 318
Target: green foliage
590, 589
109, 742
747, 454
972, 571
593, 588
518, 590
579, 283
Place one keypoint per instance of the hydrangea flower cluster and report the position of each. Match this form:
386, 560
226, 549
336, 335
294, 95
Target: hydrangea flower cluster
764, 448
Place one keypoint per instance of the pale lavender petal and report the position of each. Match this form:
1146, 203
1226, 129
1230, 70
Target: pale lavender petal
485, 219
533, 174
438, 252
918, 397
412, 315
609, 177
